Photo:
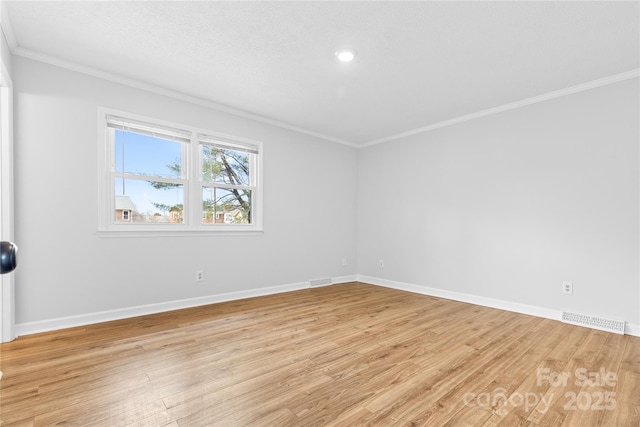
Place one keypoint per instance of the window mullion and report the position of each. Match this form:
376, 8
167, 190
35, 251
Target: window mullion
195, 187
227, 186
149, 178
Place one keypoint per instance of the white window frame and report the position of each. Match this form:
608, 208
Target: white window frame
191, 179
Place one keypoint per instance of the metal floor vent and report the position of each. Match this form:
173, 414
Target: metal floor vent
320, 282
600, 323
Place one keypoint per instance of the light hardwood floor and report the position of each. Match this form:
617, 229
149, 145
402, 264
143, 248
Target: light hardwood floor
342, 355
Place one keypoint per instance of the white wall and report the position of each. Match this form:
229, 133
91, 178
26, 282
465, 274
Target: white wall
66, 269
509, 206
5, 53
504, 207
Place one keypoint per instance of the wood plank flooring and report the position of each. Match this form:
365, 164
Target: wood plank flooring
343, 355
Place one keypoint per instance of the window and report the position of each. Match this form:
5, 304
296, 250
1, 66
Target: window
162, 177
228, 180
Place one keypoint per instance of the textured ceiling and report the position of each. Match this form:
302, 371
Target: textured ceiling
419, 63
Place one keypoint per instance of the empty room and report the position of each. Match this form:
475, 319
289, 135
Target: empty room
331, 213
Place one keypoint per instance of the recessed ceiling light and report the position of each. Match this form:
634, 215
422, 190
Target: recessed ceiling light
346, 55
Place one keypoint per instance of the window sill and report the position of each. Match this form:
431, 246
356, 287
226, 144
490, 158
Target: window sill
178, 233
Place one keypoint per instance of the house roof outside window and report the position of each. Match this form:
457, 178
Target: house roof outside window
124, 203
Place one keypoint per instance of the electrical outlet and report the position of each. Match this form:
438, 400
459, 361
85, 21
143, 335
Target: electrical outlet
199, 275
567, 288
344, 261
381, 263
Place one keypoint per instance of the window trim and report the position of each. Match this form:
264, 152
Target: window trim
192, 226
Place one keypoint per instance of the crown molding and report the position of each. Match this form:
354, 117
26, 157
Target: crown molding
27, 53
137, 84
511, 106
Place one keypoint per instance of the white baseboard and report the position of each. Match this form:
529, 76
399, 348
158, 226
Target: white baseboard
632, 329
546, 313
344, 279
106, 316
142, 310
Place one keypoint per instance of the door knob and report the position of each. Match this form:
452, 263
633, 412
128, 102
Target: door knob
8, 257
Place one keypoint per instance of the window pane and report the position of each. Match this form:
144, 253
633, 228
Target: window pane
224, 166
221, 206
147, 155
148, 202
